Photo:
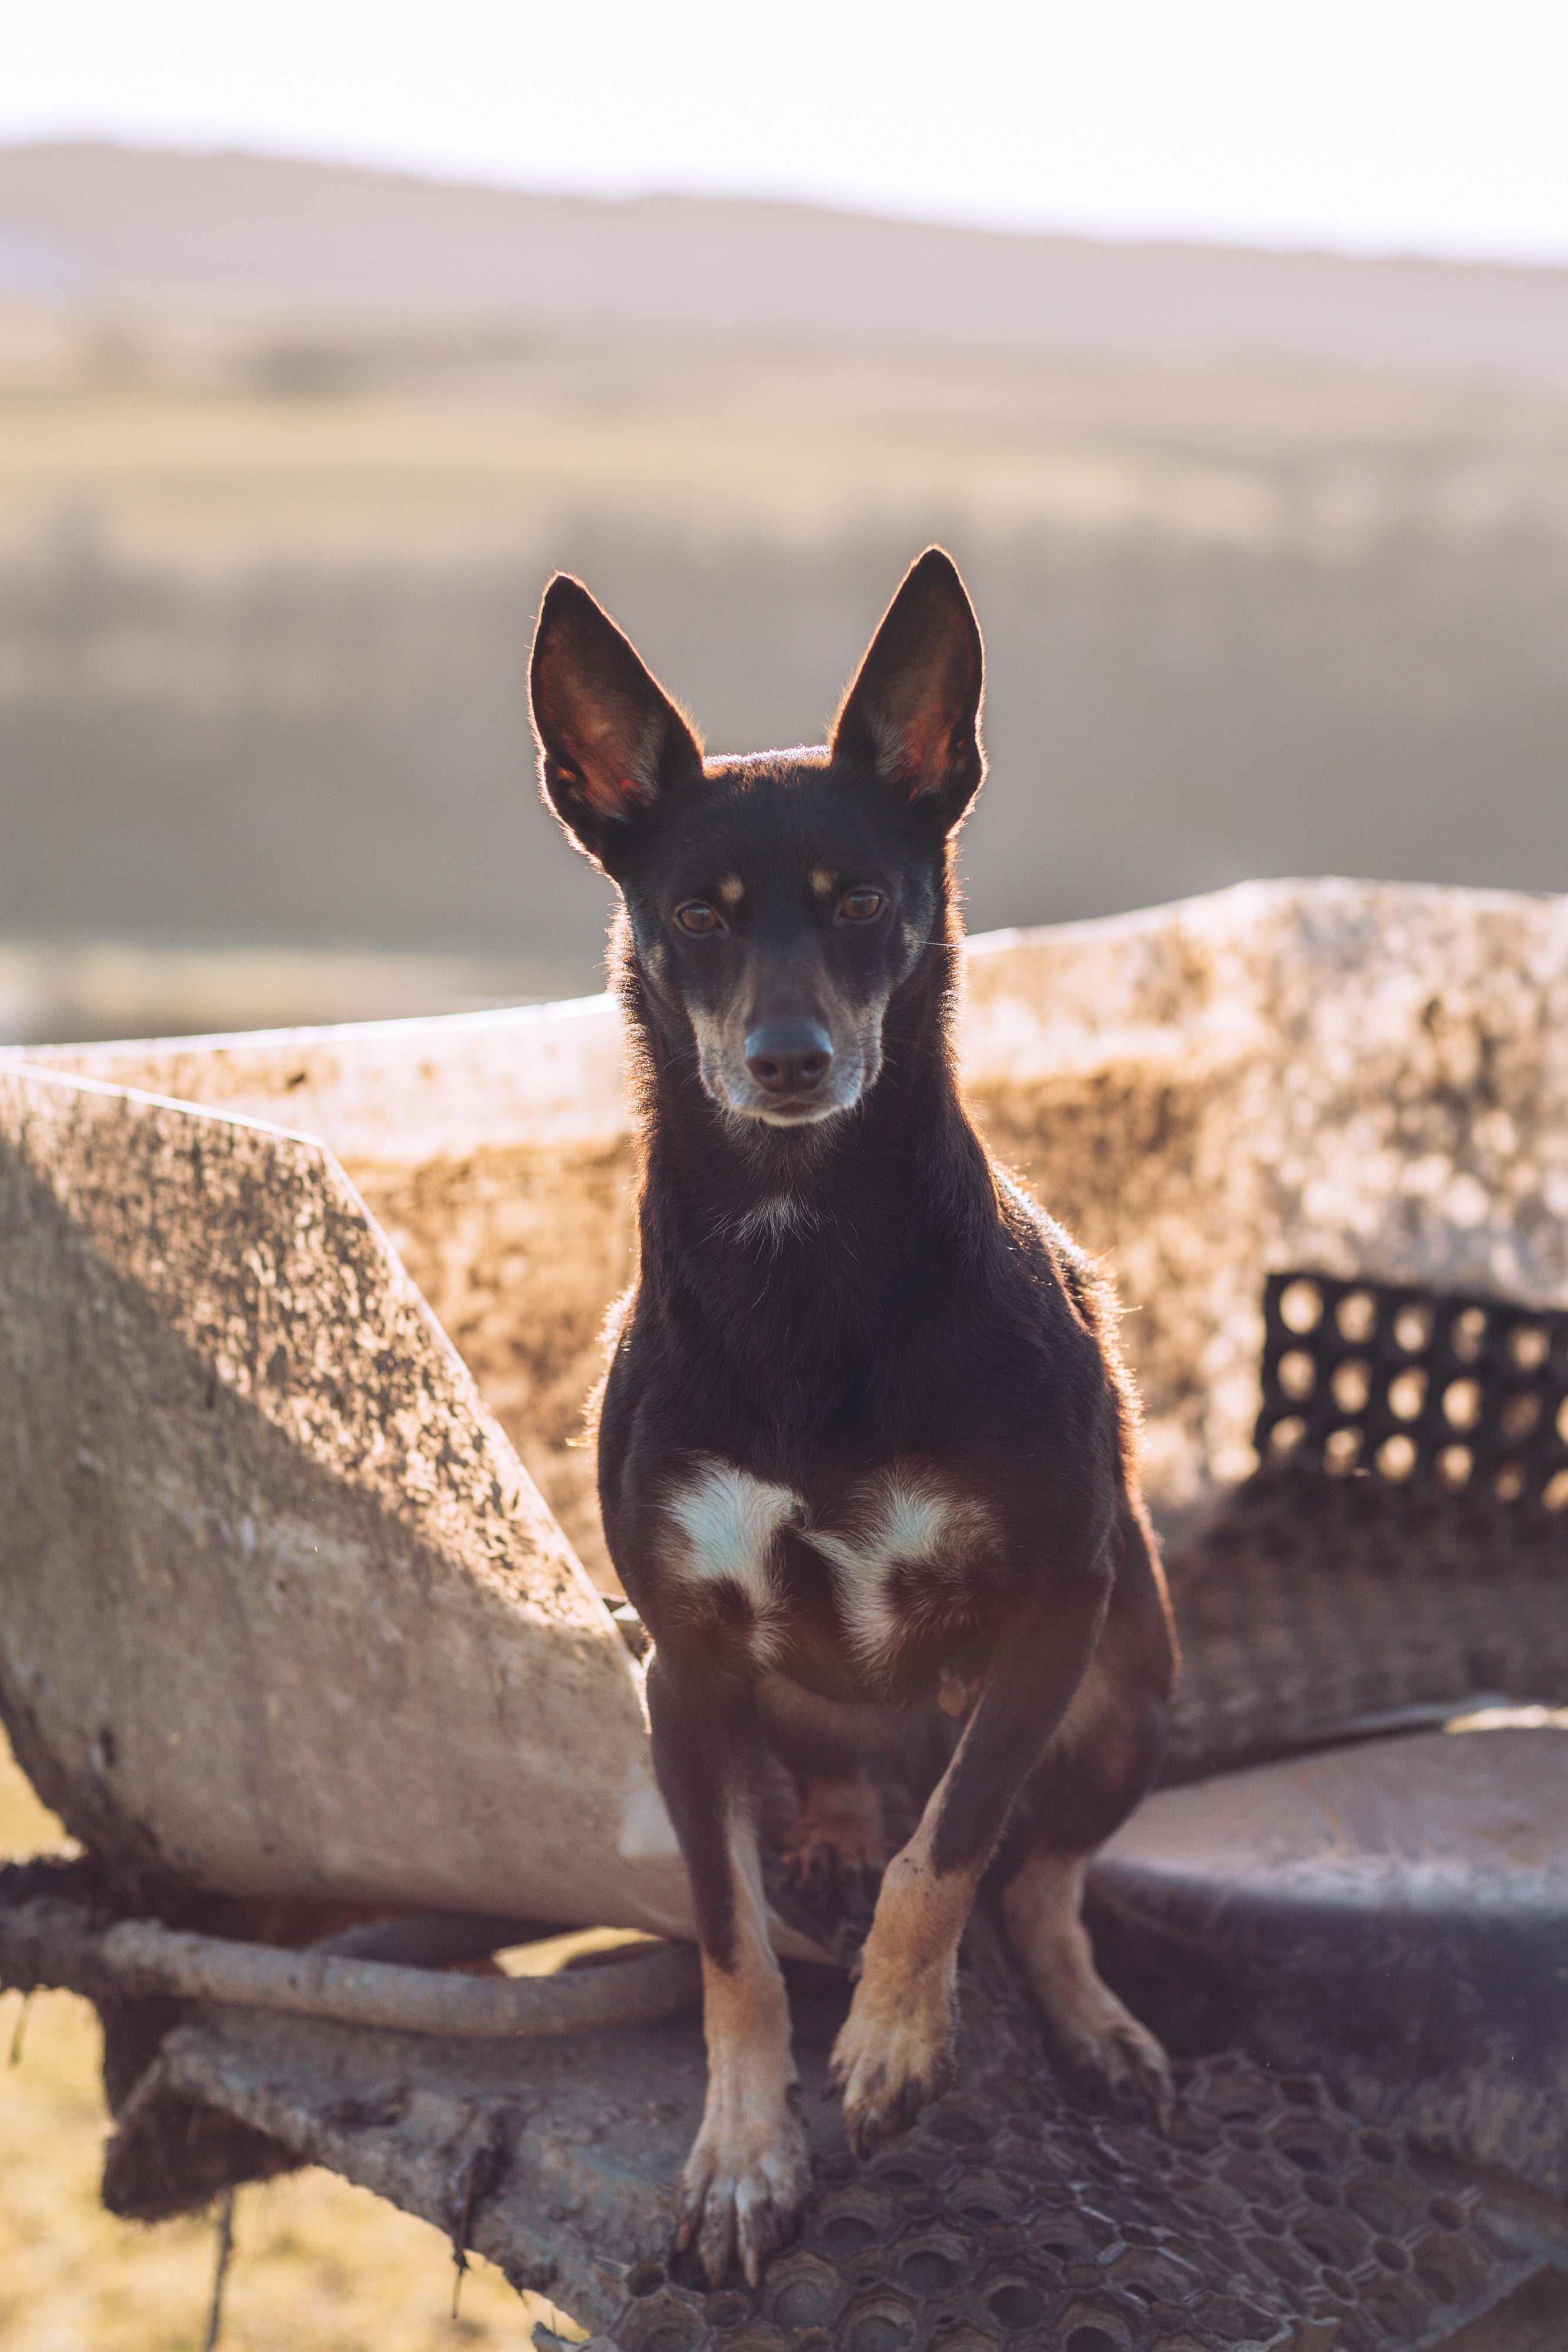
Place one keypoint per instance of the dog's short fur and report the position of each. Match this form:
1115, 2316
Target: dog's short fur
866, 1446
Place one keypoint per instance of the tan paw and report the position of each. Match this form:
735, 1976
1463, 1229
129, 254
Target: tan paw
1096, 2036
837, 1855
893, 2053
745, 2184
1103, 2043
839, 1878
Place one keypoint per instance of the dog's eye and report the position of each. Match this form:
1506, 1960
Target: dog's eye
696, 917
861, 906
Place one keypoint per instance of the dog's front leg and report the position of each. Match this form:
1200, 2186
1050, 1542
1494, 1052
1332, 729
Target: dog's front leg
747, 2175
894, 2050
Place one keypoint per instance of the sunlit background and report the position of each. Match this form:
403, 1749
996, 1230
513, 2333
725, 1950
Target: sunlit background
1226, 347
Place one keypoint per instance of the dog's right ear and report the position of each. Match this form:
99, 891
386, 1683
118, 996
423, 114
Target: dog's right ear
611, 742
912, 716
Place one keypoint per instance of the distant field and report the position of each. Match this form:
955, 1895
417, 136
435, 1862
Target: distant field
446, 452
264, 608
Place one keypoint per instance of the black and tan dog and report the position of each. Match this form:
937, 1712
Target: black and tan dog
866, 1450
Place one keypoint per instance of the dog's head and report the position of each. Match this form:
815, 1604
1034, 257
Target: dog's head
777, 902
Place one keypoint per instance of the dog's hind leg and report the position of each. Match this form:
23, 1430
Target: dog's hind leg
1095, 2035
834, 1863
837, 1852
747, 2174
1094, 1771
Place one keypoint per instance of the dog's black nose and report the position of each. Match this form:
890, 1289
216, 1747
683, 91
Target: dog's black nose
789, 1057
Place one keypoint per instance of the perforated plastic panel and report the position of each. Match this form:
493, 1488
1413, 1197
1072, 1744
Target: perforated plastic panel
1403, 1546
1009, 2220
1460, 1393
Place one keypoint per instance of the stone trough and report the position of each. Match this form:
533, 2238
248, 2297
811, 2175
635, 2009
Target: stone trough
303, 1599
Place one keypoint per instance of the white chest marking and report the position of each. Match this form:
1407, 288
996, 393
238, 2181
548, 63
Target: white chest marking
729, 1524
774, 1219
905, 1521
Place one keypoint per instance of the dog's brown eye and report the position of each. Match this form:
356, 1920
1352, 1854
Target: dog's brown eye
862, 904
694, 916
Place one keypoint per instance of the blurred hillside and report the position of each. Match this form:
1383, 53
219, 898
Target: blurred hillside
1272, 554
235, 237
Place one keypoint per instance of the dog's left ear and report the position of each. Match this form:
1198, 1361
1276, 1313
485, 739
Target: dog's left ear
611, 742
912, 715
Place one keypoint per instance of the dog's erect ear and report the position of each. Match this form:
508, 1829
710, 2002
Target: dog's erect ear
913, 714
611, 741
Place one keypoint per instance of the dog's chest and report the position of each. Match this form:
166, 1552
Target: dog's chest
900, 1545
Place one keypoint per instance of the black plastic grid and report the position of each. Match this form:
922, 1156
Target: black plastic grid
1418, 1388
1267, 2220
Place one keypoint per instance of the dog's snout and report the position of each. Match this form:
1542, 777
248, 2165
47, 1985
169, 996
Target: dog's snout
789, 1057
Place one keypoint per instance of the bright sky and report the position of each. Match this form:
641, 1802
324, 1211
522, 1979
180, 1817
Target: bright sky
1431, 125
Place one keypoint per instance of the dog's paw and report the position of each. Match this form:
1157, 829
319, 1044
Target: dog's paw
1102, 2043
1095, 2035
836, 1861
745, 2184
895, 2052
839, 1876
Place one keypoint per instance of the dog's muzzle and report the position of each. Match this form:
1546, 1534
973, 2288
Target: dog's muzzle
785, 1073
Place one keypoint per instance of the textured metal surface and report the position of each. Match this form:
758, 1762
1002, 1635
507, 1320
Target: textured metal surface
1013, 2214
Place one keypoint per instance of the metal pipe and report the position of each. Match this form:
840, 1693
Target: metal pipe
50, 1941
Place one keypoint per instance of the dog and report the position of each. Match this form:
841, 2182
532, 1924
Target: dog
867, 1450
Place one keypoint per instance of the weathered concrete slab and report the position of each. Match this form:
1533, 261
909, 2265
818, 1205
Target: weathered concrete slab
1369, 1078
493, 1150
280, 1611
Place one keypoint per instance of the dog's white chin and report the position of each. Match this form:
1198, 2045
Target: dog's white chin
843, 1094
780, 1116
809, 1115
